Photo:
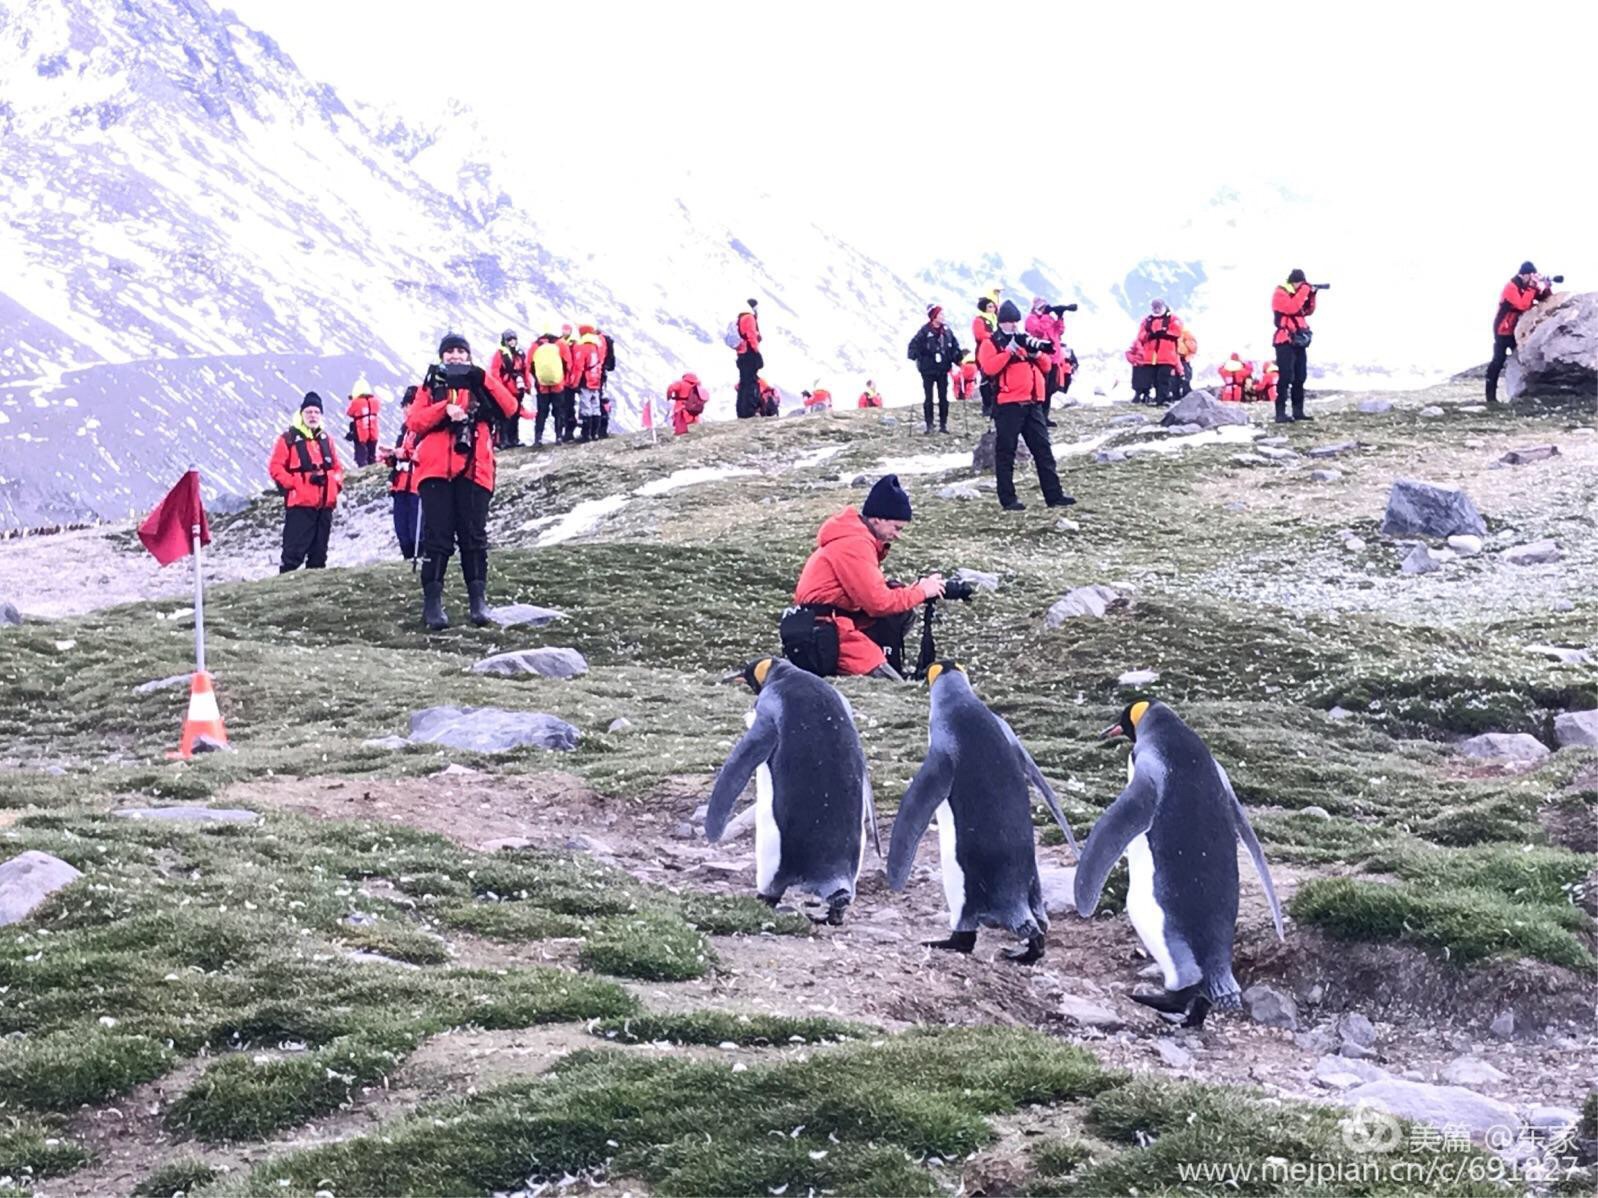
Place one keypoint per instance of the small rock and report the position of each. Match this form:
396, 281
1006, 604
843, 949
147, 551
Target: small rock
620, 724
861, 480
209, 744
1358, 1052
1339, 714
1325, 476
1472, 1071
888, 421
1139, 678
362, 957
359, 919
1204, 410
544, 662
1574, 729
1535, 554
1420, 560
1503, 1026
1091, 601
1355, 1028
1332, 450
1065, 524
189, 815
958, 491
160, 684
456, 770
1126, 418
1276, 442
1108, 455
1354, 545
1340, 1073
27, 880
1270, 1006
1274, 454
1562, 605
1423, 509
1315, 812
516, 614
505, 844
386, 742
977, 578
491, 729
1465, 544
1088, 1013
1058, 885
1571, 657
10, 617
683, 831
1173, 1054
1519, 747
1320, 1040
1374, 407
1150, 971
1441, 1106
1553, 1119
1311, 994
578, 843
1474, 443
740, 825
1234, 505
1431, 411
1535, 453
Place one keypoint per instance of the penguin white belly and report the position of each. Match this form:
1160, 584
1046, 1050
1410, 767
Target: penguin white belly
953, 875
768, 840
1143, 911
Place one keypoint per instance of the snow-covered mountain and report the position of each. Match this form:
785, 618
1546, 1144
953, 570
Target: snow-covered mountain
195, 234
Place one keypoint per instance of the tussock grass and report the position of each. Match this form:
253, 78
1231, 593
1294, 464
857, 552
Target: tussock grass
62, 1070
724, 1027
30, 1148
182, 1176
654, 947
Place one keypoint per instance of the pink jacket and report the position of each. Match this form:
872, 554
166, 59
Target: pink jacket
1046, 324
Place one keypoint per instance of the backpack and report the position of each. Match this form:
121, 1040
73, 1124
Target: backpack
548, 368
610, 354
732, 336
694, 402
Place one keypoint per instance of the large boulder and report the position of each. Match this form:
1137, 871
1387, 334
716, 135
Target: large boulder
1416, 509
545, 662
1576, 729
1519, 748
1556, 348
27, 880
1203, 409
491, 729
1441, 1106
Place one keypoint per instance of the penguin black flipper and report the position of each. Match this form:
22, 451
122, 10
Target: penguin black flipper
1035, 776
1123, 821
929, 790
1245, 833
748, 755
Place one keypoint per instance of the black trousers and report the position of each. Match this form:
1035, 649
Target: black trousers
365, 453
1293, 363
988, 389
749, 367
510, 427
1022, 421
454, 512
566, 415
941, 383
407, 508
889, 632
548, 401
1503, 346
305, 533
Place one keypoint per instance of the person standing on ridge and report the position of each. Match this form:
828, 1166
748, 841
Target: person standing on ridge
870, 397
819, 400
934, 350
687, 399
401, 462
1186, 350
308, 476
609, 368
1017, 364
588, 358
509, 365
550, 363
983, 326
566, 425
1155, 352
363, 409
1047, 323
1519, 294
1291, 305
452, 418
746, 343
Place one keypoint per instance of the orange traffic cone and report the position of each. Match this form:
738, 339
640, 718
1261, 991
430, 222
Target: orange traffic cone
202, 727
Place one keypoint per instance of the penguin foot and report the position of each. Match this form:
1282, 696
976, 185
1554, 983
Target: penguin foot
837, 904
1031, 953
1168, 1002
771, 900
1196, 1013
958, 942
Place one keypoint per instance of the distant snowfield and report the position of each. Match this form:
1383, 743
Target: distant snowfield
690, 477
583, 518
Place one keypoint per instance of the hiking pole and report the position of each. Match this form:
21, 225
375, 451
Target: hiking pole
416, 549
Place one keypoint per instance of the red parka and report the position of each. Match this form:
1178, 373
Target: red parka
869, 398
1020, 380
1517, 298
1266, 389
685, 395
511, 369
401, 462
819, 399
1157, 339
1235, 374
965, 379
1291, 303
437, 455
299, 458
362, 412
748, 332
845, 571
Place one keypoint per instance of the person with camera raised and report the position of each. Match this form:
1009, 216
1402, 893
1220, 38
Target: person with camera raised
1018, 364
1046, 322
1519, 294
1292, 303
847, 617
453, 418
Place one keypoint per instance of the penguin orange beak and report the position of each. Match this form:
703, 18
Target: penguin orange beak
733, 678
1112, 732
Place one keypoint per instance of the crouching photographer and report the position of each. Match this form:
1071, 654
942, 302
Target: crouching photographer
847, 617
452, 419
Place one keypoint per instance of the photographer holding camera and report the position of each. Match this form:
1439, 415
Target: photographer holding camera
847, 617
453, 418
1291, 305
308, 476
1046, 322
1018, 364
1519, 294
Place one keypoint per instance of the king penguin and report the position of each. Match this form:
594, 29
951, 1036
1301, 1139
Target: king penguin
975, 779
812, 793
1178, 823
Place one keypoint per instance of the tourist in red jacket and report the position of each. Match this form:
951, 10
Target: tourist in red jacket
750, 361
1017, 364
687, 399
983, 326
1156, 361
870, 397
308, 475
842, 584
1235, 375
1291, 305
965, 377
400, 458
509, 366
1519, 294
819, 400
770, 398
362, 411
1265, 389
549, 365
452, 418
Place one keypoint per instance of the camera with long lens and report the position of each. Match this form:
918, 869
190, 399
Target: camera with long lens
1062, 309
1320, 286
444, 377
959, 588
1554, 278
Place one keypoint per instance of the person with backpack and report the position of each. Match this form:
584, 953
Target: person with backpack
308, 476
362, 411
1291, 305
934, 349
608, 366
1519, 294
743, 336
770, 399
566, 425
1046, 322
983, 326
687, 398
509, 365
870, 397
549, 364
1017, 364
1154, 358
401, 463
819, 400
588, 358
452, 418
965, 377
1186, 350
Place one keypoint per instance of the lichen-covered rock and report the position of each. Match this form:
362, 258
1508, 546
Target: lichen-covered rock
1519, 747
1424, 510
27, 880
1091, 601
546, 661
492, 729
1556, 348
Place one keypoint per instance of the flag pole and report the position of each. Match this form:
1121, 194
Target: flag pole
199, 594
654, 434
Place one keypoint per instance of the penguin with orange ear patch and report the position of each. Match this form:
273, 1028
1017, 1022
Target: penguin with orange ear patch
1177, 823
812, 793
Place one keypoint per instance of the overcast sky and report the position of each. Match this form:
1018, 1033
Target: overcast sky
940, 127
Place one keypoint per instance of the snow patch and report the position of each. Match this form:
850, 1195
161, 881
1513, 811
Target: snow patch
692, 476
583, 518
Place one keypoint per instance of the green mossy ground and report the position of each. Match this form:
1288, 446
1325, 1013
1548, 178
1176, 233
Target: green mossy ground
184, 942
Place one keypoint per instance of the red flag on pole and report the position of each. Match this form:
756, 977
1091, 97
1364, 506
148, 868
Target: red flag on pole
168, 531
649, 413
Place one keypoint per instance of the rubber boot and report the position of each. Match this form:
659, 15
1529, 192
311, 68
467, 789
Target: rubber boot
1281, 412
474, 568
433, 594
